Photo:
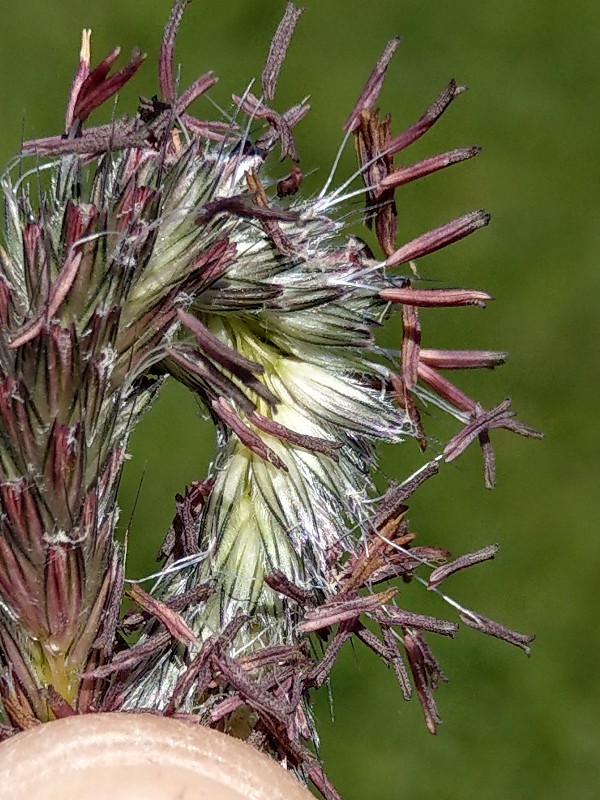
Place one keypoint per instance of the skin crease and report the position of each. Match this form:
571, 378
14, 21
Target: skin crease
131, 756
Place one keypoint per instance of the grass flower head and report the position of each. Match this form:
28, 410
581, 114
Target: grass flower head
162, 247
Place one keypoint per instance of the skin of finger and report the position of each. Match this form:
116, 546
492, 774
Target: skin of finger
131, 756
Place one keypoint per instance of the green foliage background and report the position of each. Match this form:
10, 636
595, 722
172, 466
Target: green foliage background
513, 727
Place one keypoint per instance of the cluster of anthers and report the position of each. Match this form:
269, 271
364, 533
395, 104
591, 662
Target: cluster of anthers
158, 246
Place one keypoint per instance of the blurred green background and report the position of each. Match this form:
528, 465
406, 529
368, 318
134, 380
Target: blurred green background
513, 727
